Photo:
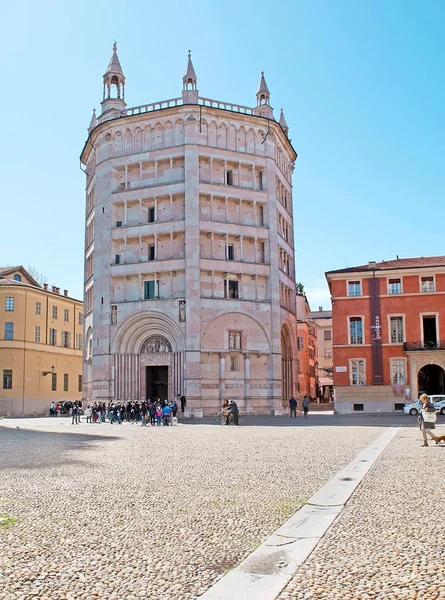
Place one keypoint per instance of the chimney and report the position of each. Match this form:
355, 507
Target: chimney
54, 288
320, 308
45, 287
372, 265
65, 292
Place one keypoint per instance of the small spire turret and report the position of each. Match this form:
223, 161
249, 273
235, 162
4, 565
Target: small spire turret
263, 94
283, 123
93, 121
263, 107
114, 85
190, 83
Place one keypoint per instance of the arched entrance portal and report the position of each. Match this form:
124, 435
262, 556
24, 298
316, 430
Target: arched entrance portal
286, 366
158, 378
431, 380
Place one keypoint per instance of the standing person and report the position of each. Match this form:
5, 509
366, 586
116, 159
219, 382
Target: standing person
167, 413
174, 408
143, 414
152, 412
233, 409
89, 413
293, 407
74, 414
52, 410
305, 405
183, 403
158, 414
427, 418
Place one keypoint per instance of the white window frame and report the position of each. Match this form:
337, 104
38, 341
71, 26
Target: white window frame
391, 362
360, 282
9, 304
388, 284
55, 311
351, 360
396, 315
429, 314
66, 315
420, 283
37, 334
38, 308
362, 317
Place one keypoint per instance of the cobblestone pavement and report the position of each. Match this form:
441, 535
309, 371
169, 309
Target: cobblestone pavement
156, 513
389, 542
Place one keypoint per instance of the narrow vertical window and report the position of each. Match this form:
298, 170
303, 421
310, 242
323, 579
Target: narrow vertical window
356, 330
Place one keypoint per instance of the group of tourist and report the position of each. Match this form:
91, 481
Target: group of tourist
151, 412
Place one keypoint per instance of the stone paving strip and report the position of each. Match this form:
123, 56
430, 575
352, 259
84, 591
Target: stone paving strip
263, 574
389, 541
156, 513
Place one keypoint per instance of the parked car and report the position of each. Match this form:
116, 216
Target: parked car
413, 408
437, 400
439, 403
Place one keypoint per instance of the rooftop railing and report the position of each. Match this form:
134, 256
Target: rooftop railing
147, 108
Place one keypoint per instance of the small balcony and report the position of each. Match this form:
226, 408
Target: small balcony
425, 345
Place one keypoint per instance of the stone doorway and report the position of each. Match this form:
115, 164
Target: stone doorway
431, 380
156, 382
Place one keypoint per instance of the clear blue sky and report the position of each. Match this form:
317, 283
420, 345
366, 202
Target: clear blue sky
361, 84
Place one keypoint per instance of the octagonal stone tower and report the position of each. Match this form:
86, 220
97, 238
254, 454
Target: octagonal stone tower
189, 254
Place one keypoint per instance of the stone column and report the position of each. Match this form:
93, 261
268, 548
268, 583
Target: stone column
222, 375
247, 383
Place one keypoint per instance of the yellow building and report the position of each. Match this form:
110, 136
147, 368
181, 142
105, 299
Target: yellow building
41, 340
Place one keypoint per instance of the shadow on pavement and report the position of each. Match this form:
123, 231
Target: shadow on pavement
316, 420
31, 449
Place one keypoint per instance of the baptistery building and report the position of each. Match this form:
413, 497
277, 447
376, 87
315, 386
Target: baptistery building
189, 251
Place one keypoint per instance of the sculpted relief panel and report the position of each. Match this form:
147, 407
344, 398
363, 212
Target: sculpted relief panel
155, 343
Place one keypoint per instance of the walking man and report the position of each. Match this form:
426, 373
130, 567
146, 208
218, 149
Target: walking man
293, 407
306, 405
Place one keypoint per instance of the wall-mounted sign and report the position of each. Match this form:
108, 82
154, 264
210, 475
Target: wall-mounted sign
341, 369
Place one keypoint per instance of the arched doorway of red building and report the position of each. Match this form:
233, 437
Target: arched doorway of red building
431, 380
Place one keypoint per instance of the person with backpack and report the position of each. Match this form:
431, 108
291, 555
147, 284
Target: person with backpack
166, 414
158, 414
293, 407
427, 418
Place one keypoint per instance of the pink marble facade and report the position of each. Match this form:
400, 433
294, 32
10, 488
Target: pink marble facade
189, 237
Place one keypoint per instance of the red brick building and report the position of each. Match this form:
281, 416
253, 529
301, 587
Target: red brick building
387, 321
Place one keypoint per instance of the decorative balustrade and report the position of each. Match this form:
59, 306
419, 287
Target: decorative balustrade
419, 346
205, 102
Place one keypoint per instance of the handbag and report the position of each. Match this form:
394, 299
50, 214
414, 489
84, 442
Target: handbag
429, 416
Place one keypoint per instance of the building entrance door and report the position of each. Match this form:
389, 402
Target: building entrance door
431, 380
156, 382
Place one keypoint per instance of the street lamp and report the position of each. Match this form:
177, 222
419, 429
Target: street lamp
48, 372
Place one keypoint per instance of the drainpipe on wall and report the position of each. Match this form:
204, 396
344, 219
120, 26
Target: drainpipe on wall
24, 357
